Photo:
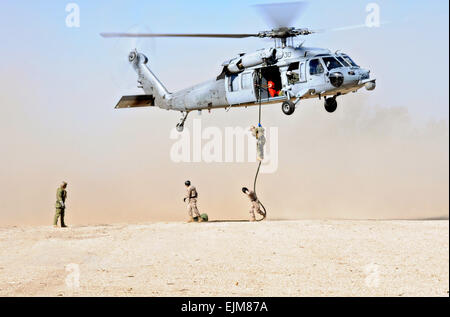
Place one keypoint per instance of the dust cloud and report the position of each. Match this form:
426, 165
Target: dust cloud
363, 161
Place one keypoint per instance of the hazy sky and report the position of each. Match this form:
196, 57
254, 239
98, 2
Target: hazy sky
59, 85
409, 55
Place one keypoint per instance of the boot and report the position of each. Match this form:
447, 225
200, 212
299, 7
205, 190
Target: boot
200, 219
191, 219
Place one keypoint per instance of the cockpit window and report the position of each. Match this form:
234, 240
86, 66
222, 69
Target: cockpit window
315, 67
349, 60
343, 61
331, 62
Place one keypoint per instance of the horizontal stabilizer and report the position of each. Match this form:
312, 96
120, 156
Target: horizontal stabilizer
136, 101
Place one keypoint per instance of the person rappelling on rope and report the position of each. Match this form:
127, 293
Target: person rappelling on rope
256, 206
258, 133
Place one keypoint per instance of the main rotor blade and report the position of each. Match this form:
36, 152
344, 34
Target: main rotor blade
349, 27
284, 14
237, 36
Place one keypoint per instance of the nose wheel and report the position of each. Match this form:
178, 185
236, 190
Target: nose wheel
180, 125
331, 104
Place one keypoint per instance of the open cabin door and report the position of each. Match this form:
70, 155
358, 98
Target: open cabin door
270, 74
240, 88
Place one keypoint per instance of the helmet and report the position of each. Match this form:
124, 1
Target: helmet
187, 183
244, 189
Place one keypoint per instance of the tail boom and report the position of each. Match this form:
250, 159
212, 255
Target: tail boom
150, 83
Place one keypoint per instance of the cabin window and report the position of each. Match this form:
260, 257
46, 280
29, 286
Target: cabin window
331, 63
315, 67
233, 83
247, 81
293, 66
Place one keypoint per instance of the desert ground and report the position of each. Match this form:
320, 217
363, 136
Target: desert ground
271, 258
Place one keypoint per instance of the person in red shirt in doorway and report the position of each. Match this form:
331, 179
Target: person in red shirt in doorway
272, 91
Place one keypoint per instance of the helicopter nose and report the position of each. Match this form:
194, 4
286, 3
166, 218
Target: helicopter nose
365, 74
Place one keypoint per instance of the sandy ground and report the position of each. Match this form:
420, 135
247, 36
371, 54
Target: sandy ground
272, 258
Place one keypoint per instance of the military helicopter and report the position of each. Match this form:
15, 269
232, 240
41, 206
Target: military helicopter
284, 74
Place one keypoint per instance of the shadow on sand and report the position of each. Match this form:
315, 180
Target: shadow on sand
229, 220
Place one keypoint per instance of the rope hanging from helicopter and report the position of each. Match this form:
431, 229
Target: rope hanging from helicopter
264, 211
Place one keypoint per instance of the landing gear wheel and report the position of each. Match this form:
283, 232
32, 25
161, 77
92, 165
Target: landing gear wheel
330, 104
288, 107
180, 127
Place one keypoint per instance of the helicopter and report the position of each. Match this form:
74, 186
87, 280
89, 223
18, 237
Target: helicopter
284, 73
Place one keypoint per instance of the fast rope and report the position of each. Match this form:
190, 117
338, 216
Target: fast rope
259, 164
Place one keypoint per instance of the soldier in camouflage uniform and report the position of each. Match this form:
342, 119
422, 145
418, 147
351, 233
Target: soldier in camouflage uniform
61, 195
255, 207
258, 133
191, 197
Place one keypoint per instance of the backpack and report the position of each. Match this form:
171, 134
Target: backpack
194, 193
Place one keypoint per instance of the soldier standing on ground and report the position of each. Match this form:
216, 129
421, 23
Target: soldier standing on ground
191, 197
61, 195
